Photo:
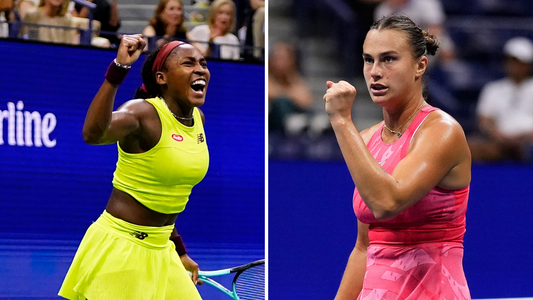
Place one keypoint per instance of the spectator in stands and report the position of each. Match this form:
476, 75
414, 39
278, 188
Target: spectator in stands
167, 22
258, 26
505, 108
53, 14
428, 14
215, 39
6, 6
288, 94
106, 14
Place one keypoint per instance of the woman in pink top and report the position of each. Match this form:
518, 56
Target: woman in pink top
411, 171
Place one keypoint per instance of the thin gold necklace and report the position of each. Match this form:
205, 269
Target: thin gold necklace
177, 117
399, 133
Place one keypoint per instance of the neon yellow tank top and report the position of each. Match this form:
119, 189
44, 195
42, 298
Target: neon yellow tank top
162, 178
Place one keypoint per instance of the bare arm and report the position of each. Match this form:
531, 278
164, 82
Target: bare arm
149, 31
439, 156
102, 125
114, 18
24, 6
352, 280
189, 264
255, 4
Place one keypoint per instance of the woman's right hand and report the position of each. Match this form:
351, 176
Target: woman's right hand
339, 99
130, 48
214, 32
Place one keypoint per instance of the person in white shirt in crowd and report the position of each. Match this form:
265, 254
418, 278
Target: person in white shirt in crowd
59, 25
258, 26
215, 39
505, 108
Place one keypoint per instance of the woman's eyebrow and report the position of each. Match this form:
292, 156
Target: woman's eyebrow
382, 54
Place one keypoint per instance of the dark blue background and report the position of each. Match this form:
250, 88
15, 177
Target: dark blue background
312, 230
49, 196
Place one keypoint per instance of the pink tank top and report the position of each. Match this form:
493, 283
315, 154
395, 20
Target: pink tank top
437, 217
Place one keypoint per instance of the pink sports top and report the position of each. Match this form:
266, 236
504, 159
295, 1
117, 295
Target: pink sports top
437, 217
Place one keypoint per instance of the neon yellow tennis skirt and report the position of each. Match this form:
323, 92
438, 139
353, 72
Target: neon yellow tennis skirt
117, 260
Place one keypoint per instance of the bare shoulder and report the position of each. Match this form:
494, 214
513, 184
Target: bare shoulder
142, 125
32, 14
202, 116
149, 31
367, 134
440, 123
138, 107
139, 112
441, 143
442, 137
440, 130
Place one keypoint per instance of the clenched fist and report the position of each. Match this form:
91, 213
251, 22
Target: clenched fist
339, 99
130, 48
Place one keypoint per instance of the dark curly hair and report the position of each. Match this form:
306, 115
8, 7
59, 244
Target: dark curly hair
150, 87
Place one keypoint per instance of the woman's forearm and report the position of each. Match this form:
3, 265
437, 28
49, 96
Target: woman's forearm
375, 186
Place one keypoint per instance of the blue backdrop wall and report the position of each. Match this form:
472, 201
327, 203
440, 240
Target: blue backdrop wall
312, 230
53, 185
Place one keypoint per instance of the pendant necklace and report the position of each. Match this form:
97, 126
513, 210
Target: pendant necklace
399, 133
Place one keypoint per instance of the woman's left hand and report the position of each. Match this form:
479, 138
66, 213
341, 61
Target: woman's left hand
191, 266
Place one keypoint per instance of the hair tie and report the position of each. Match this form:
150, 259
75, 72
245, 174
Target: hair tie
143, 88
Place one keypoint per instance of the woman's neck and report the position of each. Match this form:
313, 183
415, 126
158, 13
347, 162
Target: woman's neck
397, 117
176, 108
171, 29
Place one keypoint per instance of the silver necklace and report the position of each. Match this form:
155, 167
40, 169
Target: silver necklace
177, 117
399, 133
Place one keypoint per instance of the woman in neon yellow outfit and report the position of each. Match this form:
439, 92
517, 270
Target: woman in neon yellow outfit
133, 250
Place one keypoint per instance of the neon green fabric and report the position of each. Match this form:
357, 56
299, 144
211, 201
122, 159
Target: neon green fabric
117, 260
163, 177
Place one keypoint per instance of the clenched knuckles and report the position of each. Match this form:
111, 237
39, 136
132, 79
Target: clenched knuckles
339, 98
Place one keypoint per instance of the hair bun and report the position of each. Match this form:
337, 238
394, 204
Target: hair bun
432, 43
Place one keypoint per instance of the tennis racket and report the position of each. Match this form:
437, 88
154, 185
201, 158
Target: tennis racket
248, 282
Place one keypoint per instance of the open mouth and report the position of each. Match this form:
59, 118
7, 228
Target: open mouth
377, 87
198, 85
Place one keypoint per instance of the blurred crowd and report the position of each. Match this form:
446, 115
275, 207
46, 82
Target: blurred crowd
232, 29
482, 74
